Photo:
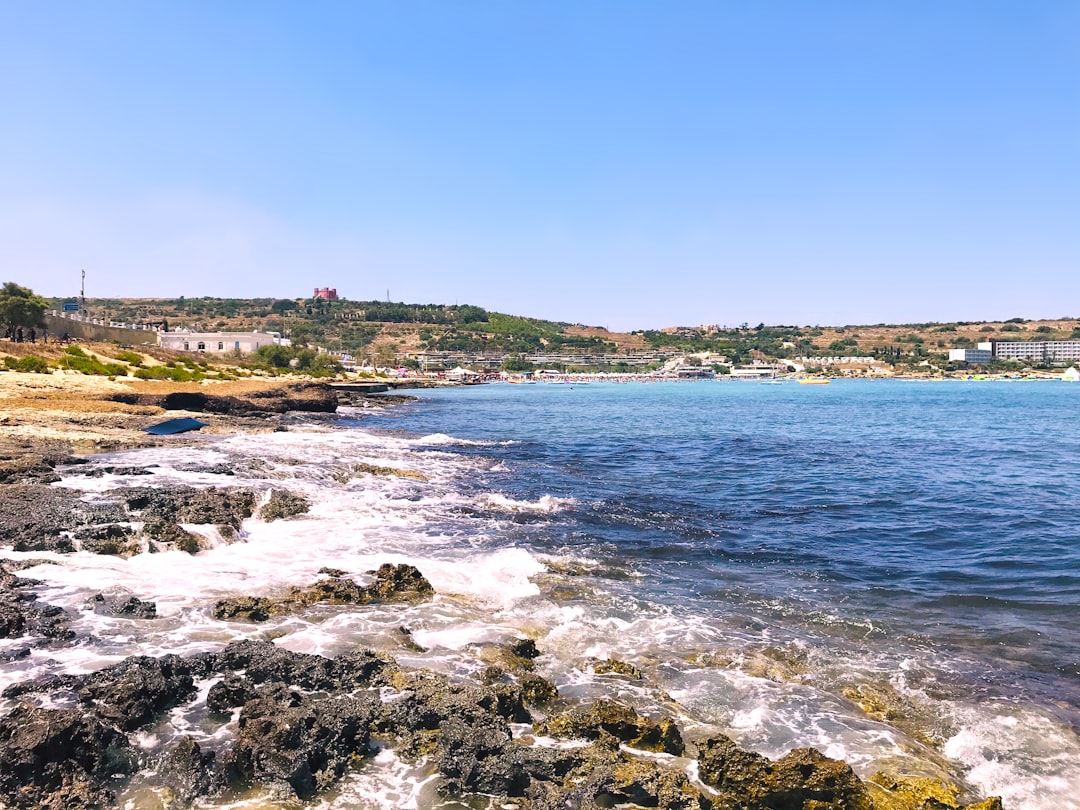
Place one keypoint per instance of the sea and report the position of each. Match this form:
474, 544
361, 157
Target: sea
888, 571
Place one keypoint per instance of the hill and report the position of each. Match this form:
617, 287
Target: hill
394, 333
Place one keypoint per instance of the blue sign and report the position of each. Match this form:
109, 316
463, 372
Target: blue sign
71, 306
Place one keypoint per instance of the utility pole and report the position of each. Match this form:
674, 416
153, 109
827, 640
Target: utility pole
82, 293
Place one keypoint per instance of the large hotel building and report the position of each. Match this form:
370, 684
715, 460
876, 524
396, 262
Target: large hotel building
1041, 351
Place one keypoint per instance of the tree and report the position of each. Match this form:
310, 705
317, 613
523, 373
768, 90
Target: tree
19, 307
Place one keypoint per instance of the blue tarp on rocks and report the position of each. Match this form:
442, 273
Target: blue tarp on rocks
170, 426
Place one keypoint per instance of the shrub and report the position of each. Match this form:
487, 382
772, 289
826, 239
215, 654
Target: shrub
134, 358
1010, 327
77, 360
35, 365
11, 363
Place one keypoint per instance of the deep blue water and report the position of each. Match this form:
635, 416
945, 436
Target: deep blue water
888, 515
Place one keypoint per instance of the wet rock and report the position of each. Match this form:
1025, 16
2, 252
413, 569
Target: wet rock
186, 770
52, 758
393, 583
98, 472
138, 689
111, 539
618, 720
248, 608
537, 690
161, 510
284, 504
803, 779
895, 792
229, 693
615, 667
21, 614
132, 607
287, 738
35, 517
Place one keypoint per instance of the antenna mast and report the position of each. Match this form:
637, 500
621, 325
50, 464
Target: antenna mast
82, 292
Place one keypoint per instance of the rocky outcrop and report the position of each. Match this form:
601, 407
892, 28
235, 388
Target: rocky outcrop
21, 614
393, 583
804, 779
132, 607
619, 721
284, 504
53, 758
307, 397
301, 720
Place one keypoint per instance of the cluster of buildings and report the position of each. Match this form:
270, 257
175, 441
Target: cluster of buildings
1033, 351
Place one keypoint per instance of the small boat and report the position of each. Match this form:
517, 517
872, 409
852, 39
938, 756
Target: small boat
814, 381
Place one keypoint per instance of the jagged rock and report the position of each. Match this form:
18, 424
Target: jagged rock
618, 720
803, 779
53, 758
895, 792
537, 690
34, 517
393, 583
229, 693
111, 539
285, 737
284, 504
161, 509
22, 614
186, 770
135, 691
614, 666
310, 397
131, 607
250, 608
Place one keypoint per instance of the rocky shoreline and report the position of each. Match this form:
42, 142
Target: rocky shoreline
290, 725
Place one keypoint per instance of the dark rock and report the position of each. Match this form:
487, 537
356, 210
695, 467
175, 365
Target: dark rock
229, 693
524, 648
138, 689
186, 770
803, 779
112, 539
132, 607
284, 504
393, 583
287, 738
52, 758
21, 614
263, 662
249, 608
309, 397
34, 517
618, 720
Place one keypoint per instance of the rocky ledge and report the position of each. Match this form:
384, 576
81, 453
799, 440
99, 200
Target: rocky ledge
293, 724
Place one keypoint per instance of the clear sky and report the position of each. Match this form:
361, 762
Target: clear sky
621, 163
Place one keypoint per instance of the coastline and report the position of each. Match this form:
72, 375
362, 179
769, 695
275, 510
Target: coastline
475, 733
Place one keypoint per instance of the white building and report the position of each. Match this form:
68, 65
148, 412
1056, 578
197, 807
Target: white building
218, 342
1048, 351
970, 355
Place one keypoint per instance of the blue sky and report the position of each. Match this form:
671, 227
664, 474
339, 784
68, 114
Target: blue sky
622, 163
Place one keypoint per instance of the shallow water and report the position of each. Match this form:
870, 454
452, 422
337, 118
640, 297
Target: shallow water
770, 558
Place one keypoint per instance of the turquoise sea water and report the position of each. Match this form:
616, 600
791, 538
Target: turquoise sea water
919, 542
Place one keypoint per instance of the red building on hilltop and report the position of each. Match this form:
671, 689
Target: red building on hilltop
326, 293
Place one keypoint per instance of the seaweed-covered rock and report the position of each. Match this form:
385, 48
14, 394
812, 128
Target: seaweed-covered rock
286, 738
618, 720
132, 607
284, 504
613, 666
895, 792
803, 779
54, 758
137, 690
